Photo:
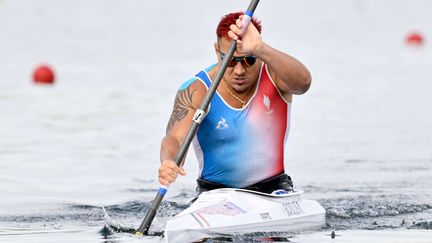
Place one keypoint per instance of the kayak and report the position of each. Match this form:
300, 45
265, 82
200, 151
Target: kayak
238, 211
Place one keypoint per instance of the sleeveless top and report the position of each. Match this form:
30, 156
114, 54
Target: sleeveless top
240, 147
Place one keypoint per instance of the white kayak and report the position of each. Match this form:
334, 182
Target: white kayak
238, 211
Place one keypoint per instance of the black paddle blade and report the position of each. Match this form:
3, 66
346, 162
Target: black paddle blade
111, 229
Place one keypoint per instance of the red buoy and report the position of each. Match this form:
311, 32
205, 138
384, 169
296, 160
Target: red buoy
43, 74
414, 39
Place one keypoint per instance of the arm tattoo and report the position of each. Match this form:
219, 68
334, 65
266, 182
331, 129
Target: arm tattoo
182, 104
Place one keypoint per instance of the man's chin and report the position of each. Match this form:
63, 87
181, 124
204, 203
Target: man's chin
240, 89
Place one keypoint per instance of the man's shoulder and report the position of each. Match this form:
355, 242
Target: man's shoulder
187, 83
194, 83
192, 91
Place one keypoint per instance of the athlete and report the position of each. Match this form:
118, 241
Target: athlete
240, 142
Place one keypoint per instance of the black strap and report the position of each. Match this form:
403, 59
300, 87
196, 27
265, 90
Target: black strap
281, 181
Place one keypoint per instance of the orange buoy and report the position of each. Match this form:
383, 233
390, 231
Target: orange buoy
414, 39
43, 74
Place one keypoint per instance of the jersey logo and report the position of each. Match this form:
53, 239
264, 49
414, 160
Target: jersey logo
266, 101
267, 104
222, 124
269, 112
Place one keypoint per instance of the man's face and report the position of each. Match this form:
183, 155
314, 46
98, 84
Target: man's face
240, 77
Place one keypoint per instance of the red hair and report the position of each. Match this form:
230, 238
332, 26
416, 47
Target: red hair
229, 19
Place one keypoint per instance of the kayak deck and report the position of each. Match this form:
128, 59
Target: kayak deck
239, 211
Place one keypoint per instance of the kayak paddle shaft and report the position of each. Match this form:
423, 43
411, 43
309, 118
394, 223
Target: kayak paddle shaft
197, 119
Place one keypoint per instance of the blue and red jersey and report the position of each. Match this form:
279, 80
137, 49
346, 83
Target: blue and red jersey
240, 147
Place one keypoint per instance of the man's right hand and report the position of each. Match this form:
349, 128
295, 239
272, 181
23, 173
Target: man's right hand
168, 172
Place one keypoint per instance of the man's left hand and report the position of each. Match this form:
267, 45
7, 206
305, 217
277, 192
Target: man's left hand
251, 40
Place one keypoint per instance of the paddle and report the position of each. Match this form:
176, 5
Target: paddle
197, 119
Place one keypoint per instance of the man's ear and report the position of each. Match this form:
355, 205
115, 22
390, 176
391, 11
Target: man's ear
216, 48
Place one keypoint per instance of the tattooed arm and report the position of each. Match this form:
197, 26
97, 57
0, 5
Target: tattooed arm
182, 106
186, 102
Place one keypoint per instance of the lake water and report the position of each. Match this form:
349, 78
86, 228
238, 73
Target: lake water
360, 141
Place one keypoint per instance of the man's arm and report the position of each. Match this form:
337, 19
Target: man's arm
289, 75
186, 102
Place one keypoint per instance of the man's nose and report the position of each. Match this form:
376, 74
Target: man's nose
239, 69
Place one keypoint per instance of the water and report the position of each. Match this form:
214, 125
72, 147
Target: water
359, 142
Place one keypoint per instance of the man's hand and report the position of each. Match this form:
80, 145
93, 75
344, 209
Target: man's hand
168, 172
251, 41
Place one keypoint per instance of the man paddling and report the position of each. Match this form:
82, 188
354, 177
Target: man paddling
240, 143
